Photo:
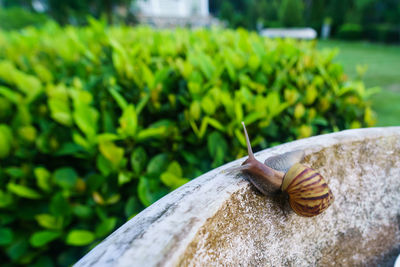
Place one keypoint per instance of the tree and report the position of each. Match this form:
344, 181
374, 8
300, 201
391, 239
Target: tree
317, 14
291, 13
226, 11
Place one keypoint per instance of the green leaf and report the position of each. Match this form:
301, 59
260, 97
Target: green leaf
173, 176
82, 211
49, 221
118, 98
231, 69
28, 133
79, 238
80, 140
173, 181
142, 103
111, 152
65, 177
311, 94
138, 160
148, 76
112, 199
195, 110
214, 141
6, 199
95, 181
320, 121
44, 261
17, 249
208, 105
157, 132
86, 118
132, 206
104, 137
6, 236
69, 149
128, 122
59, 205
6, 218
217, 147
15, 172
105, 227
23, 191
175, 168
5, 141
28, 84
43, 178
204, 62
240, 137
60, 111
11, 95
238, 111
144, 192
252, 117
157, 164
218, 158
273, 102
104, 165
41, 238
124, 177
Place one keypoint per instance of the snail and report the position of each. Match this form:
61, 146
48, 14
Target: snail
309, 194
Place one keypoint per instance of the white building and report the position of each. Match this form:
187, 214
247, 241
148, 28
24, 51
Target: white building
165, 13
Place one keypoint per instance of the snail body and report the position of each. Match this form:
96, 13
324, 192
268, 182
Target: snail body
309, 194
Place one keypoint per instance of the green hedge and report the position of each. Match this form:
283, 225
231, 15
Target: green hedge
350, 31
17, 18
385, 33
97, 123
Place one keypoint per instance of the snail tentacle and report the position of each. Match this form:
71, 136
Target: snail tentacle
266, 179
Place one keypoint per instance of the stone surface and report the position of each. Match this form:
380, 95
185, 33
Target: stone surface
220, 219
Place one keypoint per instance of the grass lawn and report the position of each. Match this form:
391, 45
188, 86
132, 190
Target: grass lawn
383, 63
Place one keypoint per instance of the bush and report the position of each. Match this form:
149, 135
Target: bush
384, 33
17, 18
350, 31
97, 123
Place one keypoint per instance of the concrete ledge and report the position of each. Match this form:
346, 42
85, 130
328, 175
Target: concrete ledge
220, 219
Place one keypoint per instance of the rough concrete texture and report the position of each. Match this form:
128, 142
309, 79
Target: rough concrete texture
219, 219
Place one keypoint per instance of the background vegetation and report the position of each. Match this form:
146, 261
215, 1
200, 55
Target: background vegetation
355, 19
374, 20
98, 122
380, 66
72, 11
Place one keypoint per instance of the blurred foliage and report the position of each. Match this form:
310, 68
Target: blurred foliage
350, 31
17, 18
379, 20
385, 33
96, 123
70, 11
291, 13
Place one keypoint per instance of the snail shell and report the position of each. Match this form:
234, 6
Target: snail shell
308, 192
284, 161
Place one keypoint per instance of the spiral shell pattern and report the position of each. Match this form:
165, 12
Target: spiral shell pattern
309, 194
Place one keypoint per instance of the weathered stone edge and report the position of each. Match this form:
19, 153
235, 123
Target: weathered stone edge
160, 233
